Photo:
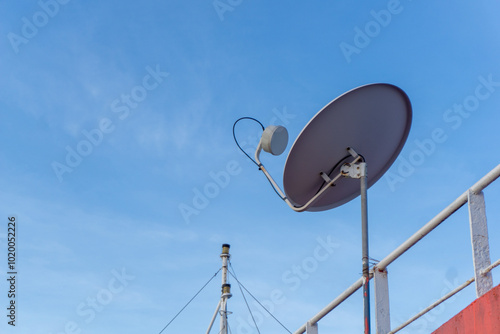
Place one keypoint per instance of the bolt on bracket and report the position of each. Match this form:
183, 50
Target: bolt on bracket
354, 171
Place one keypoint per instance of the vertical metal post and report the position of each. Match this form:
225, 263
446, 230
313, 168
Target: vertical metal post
311, 328
364, 238
480, 242
226, 289
382, 312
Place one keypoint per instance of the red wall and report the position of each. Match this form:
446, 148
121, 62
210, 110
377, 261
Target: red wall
480, 317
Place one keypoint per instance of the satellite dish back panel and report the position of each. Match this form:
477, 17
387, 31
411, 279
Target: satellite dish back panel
373, 119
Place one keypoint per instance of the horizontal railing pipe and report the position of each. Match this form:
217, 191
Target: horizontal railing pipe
433, 305
434, 222
486, 270
486, 180
426, 229
346, 294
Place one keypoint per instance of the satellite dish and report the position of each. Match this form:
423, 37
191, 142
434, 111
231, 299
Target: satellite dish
373, 119
366, 126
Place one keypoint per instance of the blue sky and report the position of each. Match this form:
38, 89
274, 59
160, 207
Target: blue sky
116, 115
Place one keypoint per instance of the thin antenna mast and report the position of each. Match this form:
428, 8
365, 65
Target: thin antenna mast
226, 294
226, 289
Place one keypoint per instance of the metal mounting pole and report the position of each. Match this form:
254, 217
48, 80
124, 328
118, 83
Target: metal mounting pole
364, 237
359, 171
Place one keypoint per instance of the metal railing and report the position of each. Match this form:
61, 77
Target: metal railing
481, 258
